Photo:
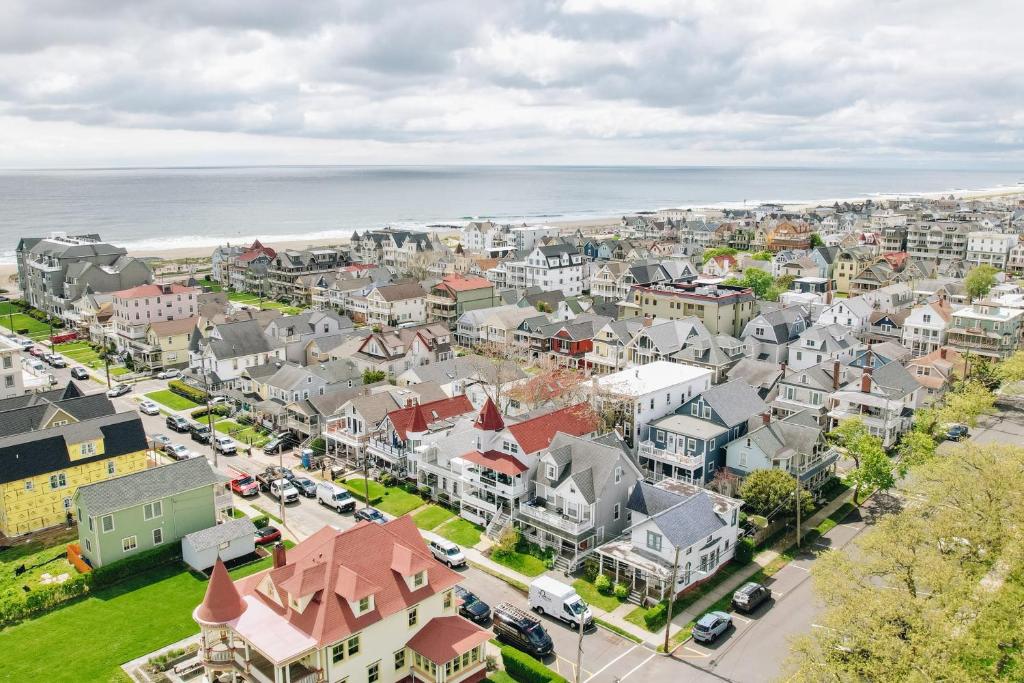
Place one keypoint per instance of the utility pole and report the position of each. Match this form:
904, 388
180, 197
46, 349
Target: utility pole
798, 511
280, 498
671, 598
579, 653
366, 479
106, 364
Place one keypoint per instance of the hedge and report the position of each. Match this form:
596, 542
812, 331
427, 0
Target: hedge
655, 617
191, 393
220, 411
525, 669
261, 521
135, 564
744, 551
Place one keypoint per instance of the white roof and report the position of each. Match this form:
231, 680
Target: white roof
646, 379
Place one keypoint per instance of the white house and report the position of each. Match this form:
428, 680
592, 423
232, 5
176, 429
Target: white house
884, 399
853, 313
924, 330
823, 343
396, 305
989, 248
555, 267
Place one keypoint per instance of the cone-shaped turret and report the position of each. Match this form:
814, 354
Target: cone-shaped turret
489, 418
222, 603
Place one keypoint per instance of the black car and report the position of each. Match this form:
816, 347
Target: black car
750, 596
521, 630
281, 442
957, 432
306, 487
177, 423
370, 515
79, 373
200, 432
472, 607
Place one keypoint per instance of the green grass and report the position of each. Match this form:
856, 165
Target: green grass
431, 516
500, 677
615, 629
374, 490
211, 285
518, 585
390, 499
460, 531
520, 562
75, 643
117, 371
36, 329
241, 433
171, 400
267, 304
591, 596
38, 560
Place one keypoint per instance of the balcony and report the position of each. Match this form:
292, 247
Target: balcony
496, 484
387, 451
337, 431
537, 511
690, 462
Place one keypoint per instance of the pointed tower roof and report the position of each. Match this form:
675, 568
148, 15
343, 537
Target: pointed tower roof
419, 422
222, 603
489, 418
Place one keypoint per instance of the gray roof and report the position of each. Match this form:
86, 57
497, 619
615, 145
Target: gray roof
242, 338
788, 434
589, 464
756, 373
735, 401
213, 536
685, 520
157, 483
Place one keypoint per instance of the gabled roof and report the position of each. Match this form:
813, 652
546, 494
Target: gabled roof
588, 463
146, 486
684, 519
401, 292
537, 433
735, 402
404, 419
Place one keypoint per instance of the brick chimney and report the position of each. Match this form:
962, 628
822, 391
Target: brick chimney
782, 369
942, 352
835, 376
865, 381
280, 555
766, 417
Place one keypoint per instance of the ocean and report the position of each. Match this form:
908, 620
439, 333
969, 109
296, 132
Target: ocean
165, 208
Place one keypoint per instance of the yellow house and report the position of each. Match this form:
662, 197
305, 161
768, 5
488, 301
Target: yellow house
61, 445
168, 342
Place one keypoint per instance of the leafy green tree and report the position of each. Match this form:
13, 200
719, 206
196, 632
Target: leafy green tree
762, 256
816, 240
966, 404
874, 471
755, 278
859, 445
980, 280
771, 491
916, 447
784, 282
1012, 369
985, 373
371, 376
718, 251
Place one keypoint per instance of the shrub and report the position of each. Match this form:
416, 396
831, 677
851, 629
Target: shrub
186, 391
219, 411
621, 591
261, 521
130, 566
656, 616
744, 551
318, 445
603, 585
525, 669
43, 599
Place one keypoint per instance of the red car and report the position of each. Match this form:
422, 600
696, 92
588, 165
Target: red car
245, 486
37, 351
267, 534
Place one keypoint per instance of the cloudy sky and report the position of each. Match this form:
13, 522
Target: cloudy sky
169, 82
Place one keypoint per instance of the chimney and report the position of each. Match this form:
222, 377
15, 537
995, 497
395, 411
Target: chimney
782, 369
280, 557
835, 376
865, 381
408, 402
942, 352
766, 417
869, 360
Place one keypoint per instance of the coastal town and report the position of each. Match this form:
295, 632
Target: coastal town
616, 450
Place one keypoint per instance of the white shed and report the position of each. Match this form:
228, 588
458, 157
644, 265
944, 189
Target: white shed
230, 540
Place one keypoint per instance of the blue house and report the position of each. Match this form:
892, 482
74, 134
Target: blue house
690, 444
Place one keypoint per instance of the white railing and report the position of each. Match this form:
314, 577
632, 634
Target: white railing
648, 450
559, 521
476, 477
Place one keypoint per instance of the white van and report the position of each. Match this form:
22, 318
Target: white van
36, 366
333, 496
444, 551
554, 598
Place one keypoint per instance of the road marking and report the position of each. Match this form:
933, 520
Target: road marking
637, 667
796, 566
613, 661
743, 619
853, 526
696, 652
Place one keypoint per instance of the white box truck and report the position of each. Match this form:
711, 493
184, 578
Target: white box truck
554, 598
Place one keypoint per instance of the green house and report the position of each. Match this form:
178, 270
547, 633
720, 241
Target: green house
456, 294
127, 515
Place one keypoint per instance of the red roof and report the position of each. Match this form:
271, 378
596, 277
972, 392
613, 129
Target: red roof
408, 562
535, 435
896, 259
255, 250
155, 290
445, 638
464, 283
404, 419
497, 461
489, 418
357, 562
222, 603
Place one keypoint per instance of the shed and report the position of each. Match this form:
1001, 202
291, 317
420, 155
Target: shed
229, 541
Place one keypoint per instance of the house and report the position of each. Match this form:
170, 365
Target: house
227, 541
677, 529
367, 604
569, 342
852, 313
11, 372
849, 262
893, 298
924, 329
349, 429
552, 267
987, 247
789, 235
219, 356
394, 351
136, 308
883, 398
129, 514
492, 327
609, 279
761, 375
637, 396
407, 428
609, 353
722, 265
54, 442
579, 488
456, 294
394, 305
985, 329
807, 390
936, 372
819, 344
795, 444
471, 375
690, 443
884, 326
768, 336
247, 271
222, 256
297, 331
289, 265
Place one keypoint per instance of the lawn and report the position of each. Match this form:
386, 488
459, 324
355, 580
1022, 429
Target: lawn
431, 516
38, 560
390, 499
76, 643
36, 330
358, 487
520, 562
460, 531
241, 433
171, 400
591, 596
500, 677
117, 371
211, 285
253, 300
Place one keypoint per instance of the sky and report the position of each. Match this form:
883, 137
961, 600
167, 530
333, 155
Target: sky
102, 83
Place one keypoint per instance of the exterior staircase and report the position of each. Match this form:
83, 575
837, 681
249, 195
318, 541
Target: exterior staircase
562, 564
497, 525
636, 597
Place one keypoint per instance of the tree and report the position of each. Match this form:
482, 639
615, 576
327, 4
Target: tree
762, 256
965, 404
372, 376
754, 278
916, 447
984, 372
859, 445
874, 471
816, 240
718, 251
979, 280
770, 492
1012, 369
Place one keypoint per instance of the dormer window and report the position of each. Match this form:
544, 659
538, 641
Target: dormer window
552, 472
419, 579
365, 605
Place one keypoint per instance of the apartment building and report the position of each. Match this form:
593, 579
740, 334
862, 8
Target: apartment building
288, 266
456, 294
724, 309
985, 247
13, 382
137, 308
555, 267
924, 330
938, 239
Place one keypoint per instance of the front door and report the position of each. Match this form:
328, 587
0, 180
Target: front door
670, 443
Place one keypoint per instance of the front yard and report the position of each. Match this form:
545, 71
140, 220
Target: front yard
241, 433
460, 531
38, 560
431, 516
169, 399
393, 500
588, 591
267, 304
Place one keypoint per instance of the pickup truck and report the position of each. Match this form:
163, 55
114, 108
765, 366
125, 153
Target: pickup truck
245, 486
272, 474
282, 488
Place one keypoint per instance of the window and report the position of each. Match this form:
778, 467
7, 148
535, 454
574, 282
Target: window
447, 599
9, 381
88, 546
413, 616
338, 653
373, 672
654, 541
58, 481
364, 604
107, 523
130, 543
400, 659
88, 448
552, 472
28, 484
618, 475
158, 536
110, 467
615, 511
419, 579
151, 510
695, 410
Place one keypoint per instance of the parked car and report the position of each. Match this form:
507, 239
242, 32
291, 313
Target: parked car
554, 598
178, 452
225, 445
217, 400
37, 351
200, 432
371, 515
957, 432
444, 551
472, 607
245, 486
521, 629
177, 423
711, 625
283, 489
267, 534
306, 487
280, 442
333, 496
160, 442
119, 390
750, 596
170, 373
148, 407
25, 344
79, 373
56, 360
